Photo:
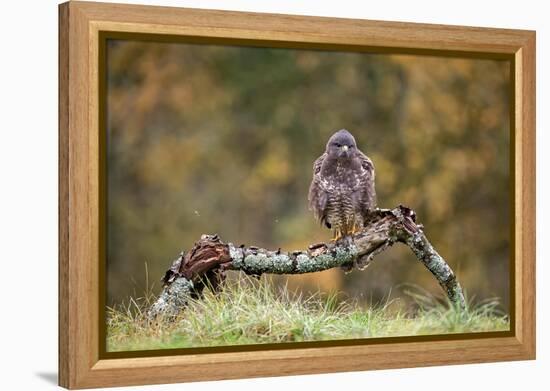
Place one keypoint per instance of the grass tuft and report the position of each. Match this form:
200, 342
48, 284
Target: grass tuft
248, 311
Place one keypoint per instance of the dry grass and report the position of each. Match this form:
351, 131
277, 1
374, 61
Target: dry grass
247, 311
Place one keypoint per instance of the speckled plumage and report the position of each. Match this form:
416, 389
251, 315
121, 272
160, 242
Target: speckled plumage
342, 193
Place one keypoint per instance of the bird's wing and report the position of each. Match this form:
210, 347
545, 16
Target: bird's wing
317, 195
367, 190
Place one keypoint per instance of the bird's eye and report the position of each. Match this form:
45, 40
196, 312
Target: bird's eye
338, 145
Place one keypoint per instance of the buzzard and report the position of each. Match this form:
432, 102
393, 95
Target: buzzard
341, 194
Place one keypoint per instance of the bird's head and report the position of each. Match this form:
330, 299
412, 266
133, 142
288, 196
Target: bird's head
341, 145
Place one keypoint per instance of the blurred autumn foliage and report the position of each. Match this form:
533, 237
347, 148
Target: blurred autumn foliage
221, 139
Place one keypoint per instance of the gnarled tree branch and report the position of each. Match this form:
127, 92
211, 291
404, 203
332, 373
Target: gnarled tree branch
208, 260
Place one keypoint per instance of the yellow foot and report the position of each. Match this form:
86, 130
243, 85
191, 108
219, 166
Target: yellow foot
355, 230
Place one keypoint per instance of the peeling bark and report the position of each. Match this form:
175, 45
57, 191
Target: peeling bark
208, 260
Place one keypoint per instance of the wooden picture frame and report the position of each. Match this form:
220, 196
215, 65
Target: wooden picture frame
81, 364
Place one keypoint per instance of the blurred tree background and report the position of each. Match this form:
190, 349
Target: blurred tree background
221, 139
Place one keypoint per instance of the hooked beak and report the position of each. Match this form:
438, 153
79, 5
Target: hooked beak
344, 152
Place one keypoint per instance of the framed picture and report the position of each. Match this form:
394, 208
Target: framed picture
226, 179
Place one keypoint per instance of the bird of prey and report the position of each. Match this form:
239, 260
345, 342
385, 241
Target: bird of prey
342, 194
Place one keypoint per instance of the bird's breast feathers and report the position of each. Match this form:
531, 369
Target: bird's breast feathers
343, 179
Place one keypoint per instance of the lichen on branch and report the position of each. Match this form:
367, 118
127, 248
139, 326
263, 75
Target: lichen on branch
206, 263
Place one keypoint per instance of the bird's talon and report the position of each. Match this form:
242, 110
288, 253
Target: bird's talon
336, 237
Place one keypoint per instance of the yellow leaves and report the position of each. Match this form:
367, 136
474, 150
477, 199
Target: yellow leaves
416, 159
438, 192
390, 91
307, 60
283, 114
385, 171
451, 109
347, 76
168, 163
491, 117
468, 163
232, 134
181, 95
146, 100
410, 196
272, 170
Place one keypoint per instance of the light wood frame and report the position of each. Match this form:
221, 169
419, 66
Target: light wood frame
80, 24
